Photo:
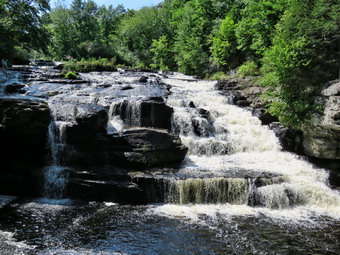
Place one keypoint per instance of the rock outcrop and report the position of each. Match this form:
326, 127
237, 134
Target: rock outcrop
147, 147
321, 136
23, 134
151, 112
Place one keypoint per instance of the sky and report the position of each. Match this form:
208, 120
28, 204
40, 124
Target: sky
128, 4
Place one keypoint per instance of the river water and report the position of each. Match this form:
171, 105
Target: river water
299, 214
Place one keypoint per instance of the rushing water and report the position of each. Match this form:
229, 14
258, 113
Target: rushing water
211, 211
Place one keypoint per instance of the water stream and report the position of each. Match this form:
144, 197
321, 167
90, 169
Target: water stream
209, 210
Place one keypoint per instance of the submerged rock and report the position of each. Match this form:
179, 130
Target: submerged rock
15, 88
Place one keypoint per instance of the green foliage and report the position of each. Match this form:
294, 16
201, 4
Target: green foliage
21, 26
136, 34
249, 68
302, 58
71, 75
84, 30
255, 30
162, 54
90, 65
224, 44
219, 76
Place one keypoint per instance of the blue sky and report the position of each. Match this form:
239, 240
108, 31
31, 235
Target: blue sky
128, 4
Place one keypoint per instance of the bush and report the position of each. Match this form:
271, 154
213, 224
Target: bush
71, 75
102, 64
249, 68
219, 76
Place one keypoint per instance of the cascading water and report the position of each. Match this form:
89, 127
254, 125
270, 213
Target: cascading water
236, 193
8, 77
226, 138
56, 174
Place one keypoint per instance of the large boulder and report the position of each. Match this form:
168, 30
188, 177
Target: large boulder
152, 112
89, 122
321, 136
23, 129
147, 147
23, 135
83, 128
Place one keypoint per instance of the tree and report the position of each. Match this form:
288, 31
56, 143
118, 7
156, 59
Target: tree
62, 30
136, 34
224, 46
162, 54
256, 28
302, 58
20, 25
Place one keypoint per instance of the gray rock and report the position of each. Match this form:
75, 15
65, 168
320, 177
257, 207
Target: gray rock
321, 136
148, 147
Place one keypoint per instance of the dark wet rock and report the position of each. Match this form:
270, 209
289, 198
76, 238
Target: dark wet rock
147, 147
243, 103
53, 75
143, 79
15, 88
23, 135
265, 117
67, 81
204, 113
59, 67
90, 121
233, 96
103, 86
332, 166
152, 112
192, 105
127, 87
226, 84
321, 135
23, 130
290, 140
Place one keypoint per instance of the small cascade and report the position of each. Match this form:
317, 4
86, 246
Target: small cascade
56, 174
8, 77
208, 191
263, 191
127, 113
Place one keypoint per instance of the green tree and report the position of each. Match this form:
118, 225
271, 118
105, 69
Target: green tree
136, 34
20, 25
162, 54
224, 46
256, 28
302, 58
62, 29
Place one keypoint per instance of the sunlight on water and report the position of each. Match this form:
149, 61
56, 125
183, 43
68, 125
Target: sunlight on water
236, 139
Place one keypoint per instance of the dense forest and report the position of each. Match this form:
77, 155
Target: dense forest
291, 46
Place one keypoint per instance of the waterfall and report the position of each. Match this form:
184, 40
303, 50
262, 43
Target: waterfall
124, 113
229, 137
209, 190
56, 175
8, 77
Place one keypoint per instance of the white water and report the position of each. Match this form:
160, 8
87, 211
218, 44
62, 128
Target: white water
240, 141
8, 77
56, 174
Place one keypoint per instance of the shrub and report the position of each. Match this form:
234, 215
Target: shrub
71, 75
249, 68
